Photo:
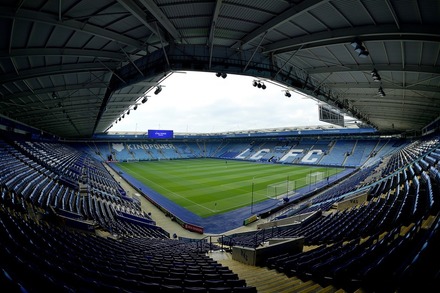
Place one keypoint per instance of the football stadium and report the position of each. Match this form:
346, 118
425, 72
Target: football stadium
349, 205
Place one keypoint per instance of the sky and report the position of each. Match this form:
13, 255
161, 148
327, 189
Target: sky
199, 102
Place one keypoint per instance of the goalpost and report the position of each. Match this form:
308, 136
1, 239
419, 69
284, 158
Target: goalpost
287, 188
314, 177
280, 189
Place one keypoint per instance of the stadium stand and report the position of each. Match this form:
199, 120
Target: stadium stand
386, 230
59, 217
62, 192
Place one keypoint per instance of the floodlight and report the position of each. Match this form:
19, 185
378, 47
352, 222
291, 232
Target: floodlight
259, 84
158, 89
359, 48
218, 74
287, 94
135, 107
355, 43
364, 54
375, 75
224, 75
144, 100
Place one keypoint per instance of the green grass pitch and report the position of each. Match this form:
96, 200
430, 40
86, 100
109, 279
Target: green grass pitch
212, 186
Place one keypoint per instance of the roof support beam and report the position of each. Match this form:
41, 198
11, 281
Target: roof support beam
29, 52
393, 13
46, 90
118, 103
137, 12
38, 16
162, 19
372, 85
255, 51
345, 35
57, 70
379, 67
112, 71
294, 11
218, 4
131, 61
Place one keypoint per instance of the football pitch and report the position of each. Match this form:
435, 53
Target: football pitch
208, 187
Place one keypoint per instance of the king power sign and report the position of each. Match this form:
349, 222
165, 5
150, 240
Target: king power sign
142, 146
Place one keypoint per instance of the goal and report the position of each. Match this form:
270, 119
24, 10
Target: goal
314, 177
280, 189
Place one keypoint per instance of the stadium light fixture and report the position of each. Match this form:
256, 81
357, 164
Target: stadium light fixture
144, 100
364, 54
128, 112
375, 75
222, 74
359, 48
381, 92
259, 84
288, 94
135, 107
158, 89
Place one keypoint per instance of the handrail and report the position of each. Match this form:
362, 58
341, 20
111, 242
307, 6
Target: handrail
209, 238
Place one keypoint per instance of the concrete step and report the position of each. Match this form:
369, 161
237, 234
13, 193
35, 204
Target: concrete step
269, 281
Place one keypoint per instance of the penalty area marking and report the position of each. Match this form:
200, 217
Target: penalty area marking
171, 192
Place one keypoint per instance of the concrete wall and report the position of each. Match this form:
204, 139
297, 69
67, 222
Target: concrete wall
351, 202
296, 219
258, 256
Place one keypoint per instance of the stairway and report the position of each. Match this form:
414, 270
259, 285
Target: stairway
270, 281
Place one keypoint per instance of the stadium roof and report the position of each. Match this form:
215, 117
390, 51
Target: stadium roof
73, 67
248, 131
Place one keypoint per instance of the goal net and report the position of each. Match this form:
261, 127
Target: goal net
315, 177
280, 189
288, 188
